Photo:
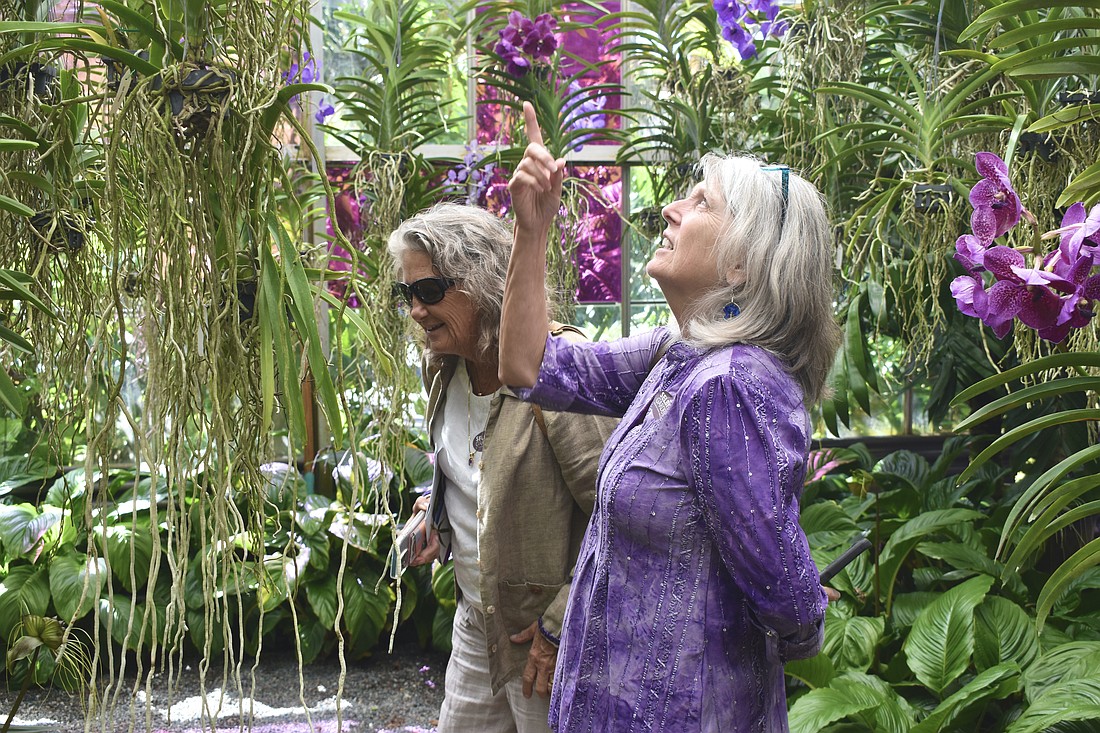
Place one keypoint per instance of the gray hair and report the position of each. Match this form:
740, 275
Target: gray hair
786, 299
468, 245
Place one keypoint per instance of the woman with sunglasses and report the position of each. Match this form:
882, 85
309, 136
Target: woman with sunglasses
513, 486
694, 583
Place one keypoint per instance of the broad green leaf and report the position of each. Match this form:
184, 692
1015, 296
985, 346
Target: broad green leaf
442, 627
129, 549
903, 540
1003, 632
322, 599
814, 672
366, 610
1013, 8
69, 571
1085, 558
819, 708
1061, 662
10, 205
25, 589
996, 682
311, 637
941, 641
22, 527
910, 467
443, 585
135, 626
12, 398
908, 606
851, 642
1071, 699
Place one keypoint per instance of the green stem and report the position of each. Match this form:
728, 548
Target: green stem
22, 692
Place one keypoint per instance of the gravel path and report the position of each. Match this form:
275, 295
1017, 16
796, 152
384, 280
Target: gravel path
386, 693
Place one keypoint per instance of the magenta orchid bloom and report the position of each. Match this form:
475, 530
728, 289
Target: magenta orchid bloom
997, 208
524, 42
1079, 231
1058, 295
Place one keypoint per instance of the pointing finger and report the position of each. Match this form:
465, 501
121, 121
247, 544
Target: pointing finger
534, 132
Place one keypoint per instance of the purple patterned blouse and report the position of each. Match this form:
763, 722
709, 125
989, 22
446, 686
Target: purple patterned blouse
694, 583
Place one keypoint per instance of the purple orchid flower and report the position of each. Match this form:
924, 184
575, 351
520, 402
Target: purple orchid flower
997, 208
970, 252
1079, 231
540, 41
324, 111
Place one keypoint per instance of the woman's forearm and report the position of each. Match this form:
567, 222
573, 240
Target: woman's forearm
524, 316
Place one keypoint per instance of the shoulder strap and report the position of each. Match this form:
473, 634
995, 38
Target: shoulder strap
556, 329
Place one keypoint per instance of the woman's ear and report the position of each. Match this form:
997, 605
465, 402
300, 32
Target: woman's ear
735, 276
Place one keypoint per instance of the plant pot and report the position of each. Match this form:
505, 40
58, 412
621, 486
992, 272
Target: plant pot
1040, 143
196, 96
116, 71
929, 198
1071, 99
43, 78
61, 229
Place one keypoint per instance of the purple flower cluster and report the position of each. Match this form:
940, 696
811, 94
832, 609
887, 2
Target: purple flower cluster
588, 115
524, 42
468, 178
307, 72
1057, 295
737, 18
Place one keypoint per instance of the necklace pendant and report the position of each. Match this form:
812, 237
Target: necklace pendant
470, 460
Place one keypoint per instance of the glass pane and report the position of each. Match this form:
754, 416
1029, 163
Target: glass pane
649, 316
598, 233
599, 322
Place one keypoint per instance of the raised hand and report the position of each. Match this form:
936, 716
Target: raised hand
536, 183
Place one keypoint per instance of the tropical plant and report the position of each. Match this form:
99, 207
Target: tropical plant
934, 633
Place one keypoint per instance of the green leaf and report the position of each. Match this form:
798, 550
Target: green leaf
910, 467
1031, 368
1084, 187
10, 205
996, 682
443, 585
12, 398
367, 608
25, 589
1069, 700
1066, 661
323, 600
129, 549
22, 527
1003, 632
851, 642
68, 574
1012, 8
941, 641
903, 540
817, 709
311, 637
148, 620
1085, 558
814, 672
1020, 432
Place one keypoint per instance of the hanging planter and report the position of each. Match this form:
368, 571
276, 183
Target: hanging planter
196, 95
930, 198
64, 231
41, 78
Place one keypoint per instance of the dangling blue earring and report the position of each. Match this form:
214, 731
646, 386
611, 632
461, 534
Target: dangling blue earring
732, 310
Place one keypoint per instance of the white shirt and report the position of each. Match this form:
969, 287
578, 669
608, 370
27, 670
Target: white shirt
456, 437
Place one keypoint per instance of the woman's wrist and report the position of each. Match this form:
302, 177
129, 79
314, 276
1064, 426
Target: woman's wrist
546, 634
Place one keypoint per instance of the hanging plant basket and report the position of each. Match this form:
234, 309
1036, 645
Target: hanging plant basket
196, 95
41, 77
63, 230
930, 198
1039, 143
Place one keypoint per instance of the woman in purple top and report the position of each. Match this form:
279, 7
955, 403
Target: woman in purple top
694, 583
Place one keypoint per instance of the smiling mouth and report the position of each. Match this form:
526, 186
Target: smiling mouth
666, 243
433, 328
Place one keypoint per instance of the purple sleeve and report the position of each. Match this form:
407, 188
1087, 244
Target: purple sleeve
747, 458
600, 378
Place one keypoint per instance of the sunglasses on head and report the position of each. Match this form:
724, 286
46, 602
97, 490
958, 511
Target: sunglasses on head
428, 290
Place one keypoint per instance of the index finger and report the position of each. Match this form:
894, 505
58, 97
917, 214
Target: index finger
531, 123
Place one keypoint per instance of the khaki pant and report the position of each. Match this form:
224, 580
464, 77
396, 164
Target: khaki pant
469, 706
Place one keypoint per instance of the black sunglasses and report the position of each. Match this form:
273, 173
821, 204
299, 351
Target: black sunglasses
429, 290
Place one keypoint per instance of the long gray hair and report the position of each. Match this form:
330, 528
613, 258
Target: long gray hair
786, 299
468, 245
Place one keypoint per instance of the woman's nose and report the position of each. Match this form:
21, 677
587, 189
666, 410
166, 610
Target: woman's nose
671, 212
418, 310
